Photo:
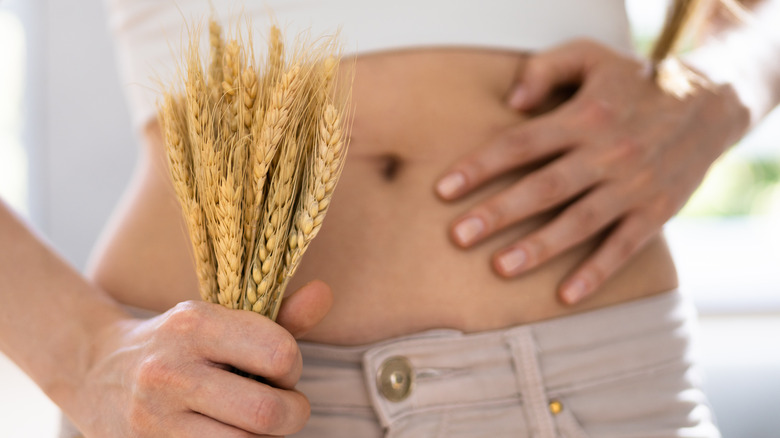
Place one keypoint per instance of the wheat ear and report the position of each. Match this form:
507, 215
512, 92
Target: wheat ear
265, 134
323, 171
263, 289
228, 236
274, 66
203, 143
248, 102
178, 151
214, 78
268, 134
231, 88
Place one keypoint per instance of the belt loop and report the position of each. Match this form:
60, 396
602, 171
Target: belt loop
530, 383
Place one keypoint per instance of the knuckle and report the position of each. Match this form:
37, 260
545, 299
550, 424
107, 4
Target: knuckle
153, 373
586, 217
597, 113
537, 250
266, 413
184, 318
473, 168
495, 212
550, 186
629, 150
516, 141
642, 179
284, 356
188, 306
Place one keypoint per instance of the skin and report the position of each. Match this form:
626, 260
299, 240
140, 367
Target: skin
388, 249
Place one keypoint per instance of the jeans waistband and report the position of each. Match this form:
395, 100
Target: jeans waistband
452, 368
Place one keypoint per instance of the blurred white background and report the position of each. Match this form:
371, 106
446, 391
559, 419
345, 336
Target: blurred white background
67, 150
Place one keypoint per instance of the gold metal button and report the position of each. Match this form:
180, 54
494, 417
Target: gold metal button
556, 407
395, 378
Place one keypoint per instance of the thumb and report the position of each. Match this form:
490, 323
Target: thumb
305, 308
567, 64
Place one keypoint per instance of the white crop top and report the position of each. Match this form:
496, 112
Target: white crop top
150, 33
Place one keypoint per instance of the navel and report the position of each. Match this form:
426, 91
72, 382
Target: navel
389, 165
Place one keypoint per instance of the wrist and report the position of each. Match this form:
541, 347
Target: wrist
717, 105
90, 337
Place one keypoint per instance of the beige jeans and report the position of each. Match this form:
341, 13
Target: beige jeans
620, 372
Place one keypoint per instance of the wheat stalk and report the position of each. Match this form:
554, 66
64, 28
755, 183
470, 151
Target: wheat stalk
234, 127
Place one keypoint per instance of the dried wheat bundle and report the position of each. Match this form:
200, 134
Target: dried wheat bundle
255, 150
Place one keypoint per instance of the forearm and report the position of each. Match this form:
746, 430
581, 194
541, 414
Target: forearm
746, 57
50, 315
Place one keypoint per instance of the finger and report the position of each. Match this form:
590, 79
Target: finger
247, 341
305, 308
577, 223
247, 404
564, 65
195, 424
627, 239
514, 147
539, 191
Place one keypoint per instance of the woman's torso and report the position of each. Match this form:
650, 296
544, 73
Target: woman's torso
385, 247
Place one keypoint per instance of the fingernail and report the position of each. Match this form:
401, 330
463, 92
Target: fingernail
468, 229
450, 184
575, 291
511, 261
517, 99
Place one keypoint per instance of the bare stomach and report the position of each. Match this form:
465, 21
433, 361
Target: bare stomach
385, 248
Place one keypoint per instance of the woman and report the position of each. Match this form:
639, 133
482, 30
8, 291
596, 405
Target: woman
456, 143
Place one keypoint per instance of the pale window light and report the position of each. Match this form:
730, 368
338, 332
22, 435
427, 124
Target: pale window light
13, 157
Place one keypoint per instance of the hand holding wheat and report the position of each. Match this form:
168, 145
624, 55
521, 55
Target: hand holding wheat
254, 155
